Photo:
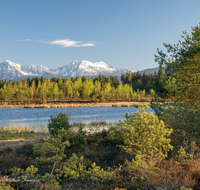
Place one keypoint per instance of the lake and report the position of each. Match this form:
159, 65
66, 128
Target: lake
40, 116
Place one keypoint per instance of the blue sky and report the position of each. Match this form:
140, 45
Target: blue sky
121, 33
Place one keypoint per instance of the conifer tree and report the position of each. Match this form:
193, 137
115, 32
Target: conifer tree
39, 89
143, 134
32, 89
60, 83
179, 71
97, 88
179, 79
69, 90
50, 89
55, 90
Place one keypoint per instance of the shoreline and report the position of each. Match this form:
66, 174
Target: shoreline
64, 105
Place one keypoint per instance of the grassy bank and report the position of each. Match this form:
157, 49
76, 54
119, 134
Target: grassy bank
15, 140
75, 103
113, 104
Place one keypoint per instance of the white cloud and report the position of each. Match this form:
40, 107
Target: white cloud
23, 40
84, 45
71, 43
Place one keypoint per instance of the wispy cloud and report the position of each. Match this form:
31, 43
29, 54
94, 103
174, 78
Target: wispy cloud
23, 40
71, 43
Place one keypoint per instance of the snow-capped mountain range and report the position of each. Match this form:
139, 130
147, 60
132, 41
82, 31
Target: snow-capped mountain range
13, 71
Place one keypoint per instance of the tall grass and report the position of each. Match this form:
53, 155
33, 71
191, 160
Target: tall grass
18, 129
89, 127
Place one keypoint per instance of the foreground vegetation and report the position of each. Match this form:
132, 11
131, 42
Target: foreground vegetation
109, 159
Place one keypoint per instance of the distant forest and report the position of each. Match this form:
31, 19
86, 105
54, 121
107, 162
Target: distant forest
132, 85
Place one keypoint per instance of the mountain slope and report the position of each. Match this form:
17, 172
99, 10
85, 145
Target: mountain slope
13, 71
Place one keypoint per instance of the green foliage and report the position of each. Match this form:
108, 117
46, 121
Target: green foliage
61, 121
143, 134
140, 170
4, 186
180, 69
80, 135
49, 182
55, 89
183, 119
138, 80
56, 147
185, 188
182, 156
178, 79
24, 175
75, 169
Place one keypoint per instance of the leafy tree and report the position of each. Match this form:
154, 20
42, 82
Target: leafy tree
87, 88
50, 89
127, 91
66, 83
44, 89
97, 88
39, 89
107, 89
77, 87
32, 89
55, 90
120, 91
20, 91
60, 83
69, 90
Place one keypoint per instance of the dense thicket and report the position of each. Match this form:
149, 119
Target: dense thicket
139, 81
100, 88
179, 79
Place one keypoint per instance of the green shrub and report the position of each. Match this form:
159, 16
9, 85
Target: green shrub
4, 186
61, 121
143, 134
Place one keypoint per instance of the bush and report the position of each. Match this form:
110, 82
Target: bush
143, 134
61, 121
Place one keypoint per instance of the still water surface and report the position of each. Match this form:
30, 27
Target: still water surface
39, 116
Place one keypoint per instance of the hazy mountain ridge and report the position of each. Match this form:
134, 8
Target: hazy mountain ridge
13, 71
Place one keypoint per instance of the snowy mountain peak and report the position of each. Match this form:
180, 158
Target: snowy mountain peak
35, 69
11, 64
13, 71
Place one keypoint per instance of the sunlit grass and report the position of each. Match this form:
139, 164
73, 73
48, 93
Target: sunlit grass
18, 129
89, 127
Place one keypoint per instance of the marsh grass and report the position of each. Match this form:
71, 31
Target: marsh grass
18, 129
22, 135
89, 127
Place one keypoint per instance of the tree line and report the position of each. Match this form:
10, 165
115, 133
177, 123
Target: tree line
58, 88
139, 81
